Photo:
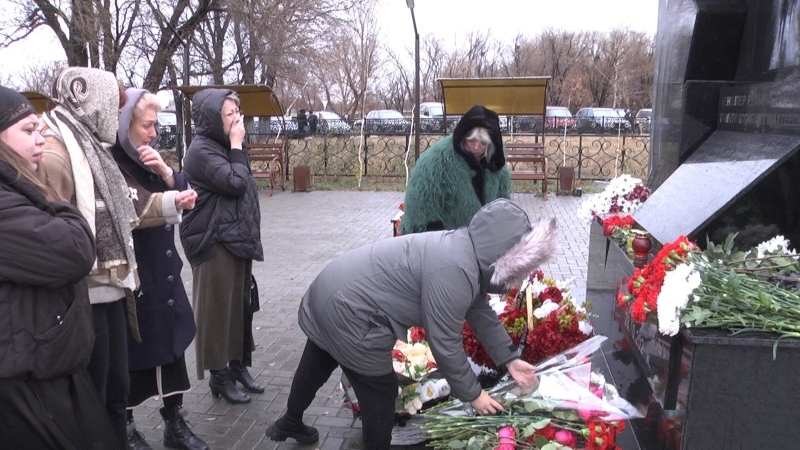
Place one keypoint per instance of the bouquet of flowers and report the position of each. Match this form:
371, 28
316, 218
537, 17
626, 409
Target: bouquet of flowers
623, 194
721, 287
618, 227
416, 369
645, 285
571, 407
541, 316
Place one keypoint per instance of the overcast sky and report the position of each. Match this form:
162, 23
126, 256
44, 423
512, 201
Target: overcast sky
504, 19
447, 19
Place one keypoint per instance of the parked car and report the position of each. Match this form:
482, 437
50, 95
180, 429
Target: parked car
431, 110
430, 117
557, 118
599, 120
331, 123
641, 124
289, 124
383, 121
167, 129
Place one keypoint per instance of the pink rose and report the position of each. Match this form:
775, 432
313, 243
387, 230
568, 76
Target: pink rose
567, 438
508, 439
586, 413
598, 391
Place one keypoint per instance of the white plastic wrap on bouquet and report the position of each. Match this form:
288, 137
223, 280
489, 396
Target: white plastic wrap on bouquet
566, 383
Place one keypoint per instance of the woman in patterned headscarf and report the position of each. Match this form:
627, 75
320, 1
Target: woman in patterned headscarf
78, 165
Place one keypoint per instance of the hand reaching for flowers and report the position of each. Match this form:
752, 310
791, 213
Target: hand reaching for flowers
485, 405
523, 373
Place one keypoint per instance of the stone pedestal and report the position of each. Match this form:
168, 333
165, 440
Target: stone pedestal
701, 389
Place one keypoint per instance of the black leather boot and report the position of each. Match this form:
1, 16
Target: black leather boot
177, 433
289, 427
239, 373
222, 384
135, 439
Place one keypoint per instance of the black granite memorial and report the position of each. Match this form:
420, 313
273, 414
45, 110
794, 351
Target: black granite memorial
726, 135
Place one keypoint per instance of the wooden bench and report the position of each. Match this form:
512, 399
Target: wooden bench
533, 161
267, 161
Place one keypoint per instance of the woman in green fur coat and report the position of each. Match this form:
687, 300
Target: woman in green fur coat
458, 175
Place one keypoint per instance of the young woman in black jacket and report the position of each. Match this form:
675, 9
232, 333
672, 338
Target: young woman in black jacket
47, 398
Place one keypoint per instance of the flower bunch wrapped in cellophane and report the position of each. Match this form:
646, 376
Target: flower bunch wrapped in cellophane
572, 407
417, 372
541, 316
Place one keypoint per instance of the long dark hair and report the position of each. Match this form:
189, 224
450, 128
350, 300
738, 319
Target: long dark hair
23, 169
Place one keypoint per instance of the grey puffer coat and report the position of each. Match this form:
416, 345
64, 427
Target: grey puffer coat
226, 210
366, 299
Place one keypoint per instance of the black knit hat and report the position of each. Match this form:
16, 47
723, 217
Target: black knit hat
13, 107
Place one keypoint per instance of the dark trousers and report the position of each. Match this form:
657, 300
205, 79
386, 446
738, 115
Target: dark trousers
108, 365
376, 395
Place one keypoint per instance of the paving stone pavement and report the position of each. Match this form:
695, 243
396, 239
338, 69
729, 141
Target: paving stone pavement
301, 232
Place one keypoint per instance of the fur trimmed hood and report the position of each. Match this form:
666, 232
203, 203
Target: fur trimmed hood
507, 247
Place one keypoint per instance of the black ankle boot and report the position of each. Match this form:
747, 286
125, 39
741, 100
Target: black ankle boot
288, 427
239, 373
222, 384
177, 433
135, 439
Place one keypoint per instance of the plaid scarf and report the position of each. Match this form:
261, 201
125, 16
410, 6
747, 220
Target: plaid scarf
86, 120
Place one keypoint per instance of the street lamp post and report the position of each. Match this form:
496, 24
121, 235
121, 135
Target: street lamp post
410, 4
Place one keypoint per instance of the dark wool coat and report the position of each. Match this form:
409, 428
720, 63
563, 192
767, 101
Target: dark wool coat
449, 185
47, 249
166, 320
227, 210
366, 299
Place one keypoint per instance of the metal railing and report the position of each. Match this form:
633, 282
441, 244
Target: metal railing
340, 153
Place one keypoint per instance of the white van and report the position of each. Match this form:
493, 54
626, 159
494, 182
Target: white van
431, 110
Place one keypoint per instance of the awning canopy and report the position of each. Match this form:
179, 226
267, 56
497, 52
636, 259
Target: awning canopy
40, 102
255, 100
505, 96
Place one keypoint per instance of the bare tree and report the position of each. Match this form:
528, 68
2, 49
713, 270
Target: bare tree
431, 59
168, 41
91, 32
210, 41
271, 36
39, 77
353, 58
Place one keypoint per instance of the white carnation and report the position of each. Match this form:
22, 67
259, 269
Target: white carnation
601, 203
674, 296
545, 310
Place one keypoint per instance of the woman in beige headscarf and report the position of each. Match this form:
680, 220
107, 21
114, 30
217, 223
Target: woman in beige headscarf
77, 163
